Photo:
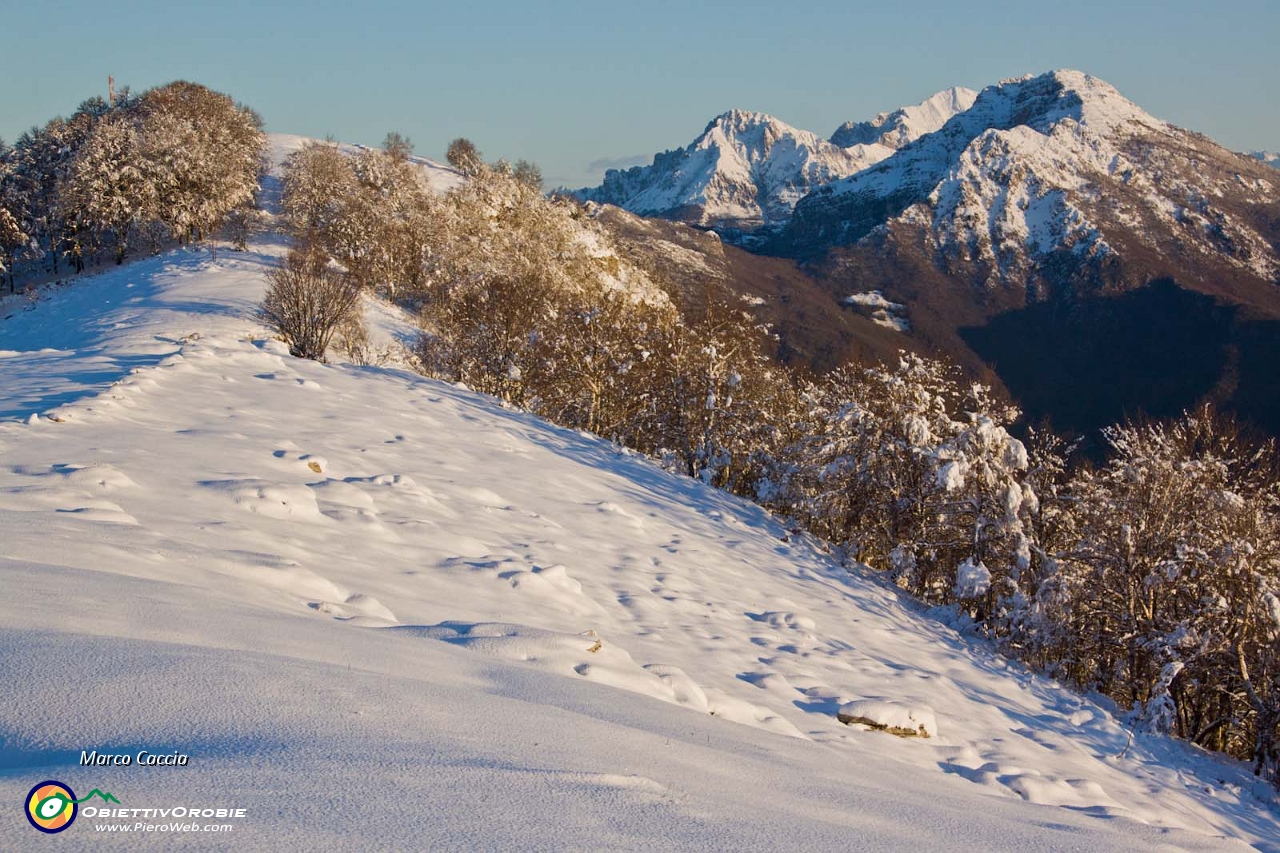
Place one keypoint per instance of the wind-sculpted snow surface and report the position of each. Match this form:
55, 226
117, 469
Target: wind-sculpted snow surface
385, 613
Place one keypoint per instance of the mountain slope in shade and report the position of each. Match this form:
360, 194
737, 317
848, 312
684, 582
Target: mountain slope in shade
745, 171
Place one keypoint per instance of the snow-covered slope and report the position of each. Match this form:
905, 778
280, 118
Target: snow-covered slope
895, 129
877, 139
1056, 164
746, 171
383, 613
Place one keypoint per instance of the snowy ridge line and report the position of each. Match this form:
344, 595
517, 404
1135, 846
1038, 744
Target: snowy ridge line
892, 130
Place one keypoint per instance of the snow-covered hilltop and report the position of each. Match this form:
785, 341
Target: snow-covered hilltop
365, 588
437, 176
746, 170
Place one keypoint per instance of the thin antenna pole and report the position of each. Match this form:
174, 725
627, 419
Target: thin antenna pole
111, 91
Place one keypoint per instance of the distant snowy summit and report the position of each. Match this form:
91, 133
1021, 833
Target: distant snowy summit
747, 170
1271, 158
1000, 181
1056, 166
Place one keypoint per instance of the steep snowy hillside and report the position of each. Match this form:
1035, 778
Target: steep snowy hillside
893, 130
746, 171
383, 613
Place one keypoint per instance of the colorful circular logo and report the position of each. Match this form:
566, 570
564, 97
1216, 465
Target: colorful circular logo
51, 806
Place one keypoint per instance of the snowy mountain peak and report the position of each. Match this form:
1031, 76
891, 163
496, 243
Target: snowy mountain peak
899, 127
1067, 93
1271, 158
1057, 163
752, 136
739, 120
745, 171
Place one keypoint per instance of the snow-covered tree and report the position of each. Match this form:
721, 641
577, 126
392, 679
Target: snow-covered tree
378, 228
1038, 629
914, 473
985, 501
463, 155
203, 153
710, 394
13, 238
178, 154
40, 162
108, 188
315, 178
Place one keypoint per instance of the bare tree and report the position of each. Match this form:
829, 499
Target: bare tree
528, 173
398, 146
307, 301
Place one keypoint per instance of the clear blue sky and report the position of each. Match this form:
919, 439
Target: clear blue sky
571, 85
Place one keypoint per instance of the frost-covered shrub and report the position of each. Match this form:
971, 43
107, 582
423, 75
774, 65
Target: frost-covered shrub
1175, 554
913, 472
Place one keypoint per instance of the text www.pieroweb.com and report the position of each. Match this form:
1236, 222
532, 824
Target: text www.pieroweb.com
172, 820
